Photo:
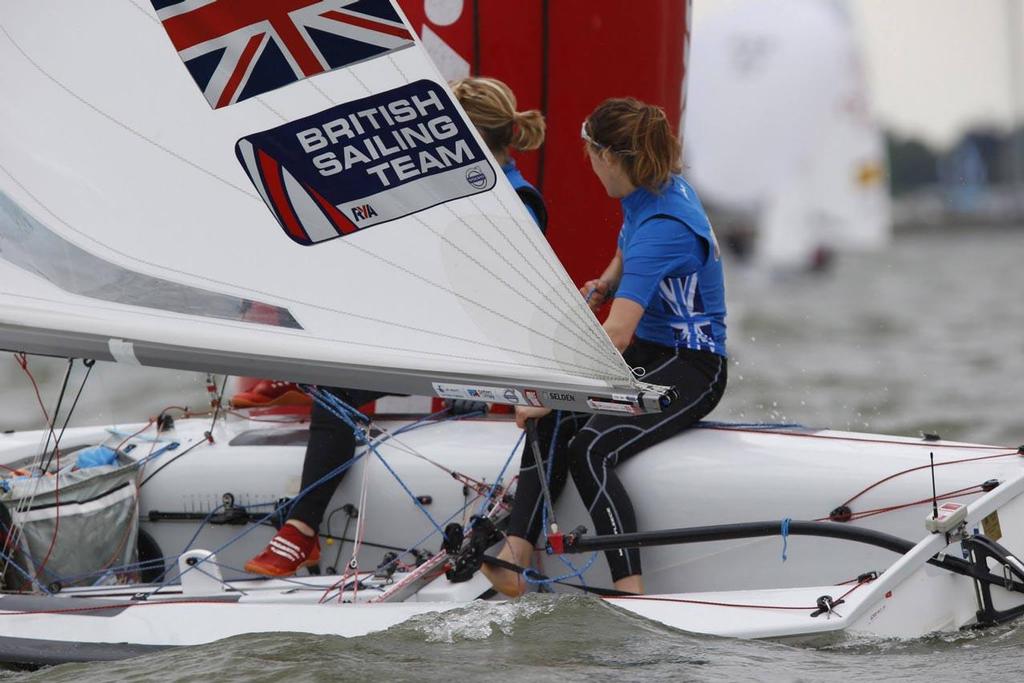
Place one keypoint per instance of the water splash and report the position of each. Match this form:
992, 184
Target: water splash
480, 620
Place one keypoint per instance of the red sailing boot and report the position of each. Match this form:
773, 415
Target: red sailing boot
268, 393
288, 551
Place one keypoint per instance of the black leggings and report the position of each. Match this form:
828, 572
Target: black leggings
589, 446
331, 444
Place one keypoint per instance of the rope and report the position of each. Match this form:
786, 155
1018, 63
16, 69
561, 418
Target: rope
529, 574
966, 491
714, 603
164, 580
218, 402
924, 467
348, 415
785, 536
501, 474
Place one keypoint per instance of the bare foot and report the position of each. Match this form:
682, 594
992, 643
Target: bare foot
630, 584
517, 551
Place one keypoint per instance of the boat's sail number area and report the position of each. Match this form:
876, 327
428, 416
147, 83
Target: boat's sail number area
365, 162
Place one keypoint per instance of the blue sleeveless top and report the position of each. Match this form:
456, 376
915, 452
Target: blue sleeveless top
529, 194
672, 267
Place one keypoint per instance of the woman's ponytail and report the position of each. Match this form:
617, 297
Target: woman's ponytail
528, 130
640, 136
491, 107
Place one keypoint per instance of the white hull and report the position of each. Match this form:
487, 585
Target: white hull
705, 477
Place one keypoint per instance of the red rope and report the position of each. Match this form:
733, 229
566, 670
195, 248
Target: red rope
924, 467
22, 360
929, 444
968, 491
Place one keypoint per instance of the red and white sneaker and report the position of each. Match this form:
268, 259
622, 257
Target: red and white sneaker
288, 551
268, 393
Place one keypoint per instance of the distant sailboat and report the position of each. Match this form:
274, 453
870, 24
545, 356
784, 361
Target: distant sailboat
779, 129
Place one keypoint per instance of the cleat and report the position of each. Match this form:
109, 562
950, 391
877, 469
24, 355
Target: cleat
288, 551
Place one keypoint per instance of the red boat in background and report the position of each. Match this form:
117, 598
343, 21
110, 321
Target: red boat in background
564, 58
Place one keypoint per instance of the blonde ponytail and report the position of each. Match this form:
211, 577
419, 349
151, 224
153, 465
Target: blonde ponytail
528, 130
491, 106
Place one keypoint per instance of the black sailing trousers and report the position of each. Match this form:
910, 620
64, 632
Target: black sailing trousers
590, 446
331, 444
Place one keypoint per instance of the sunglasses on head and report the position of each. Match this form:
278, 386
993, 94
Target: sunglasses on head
589, 140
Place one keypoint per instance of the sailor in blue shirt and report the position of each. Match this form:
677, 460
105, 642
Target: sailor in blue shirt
667, 317
672, 267
528, 194
491, 106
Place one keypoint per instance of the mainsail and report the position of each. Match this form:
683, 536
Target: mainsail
318, 209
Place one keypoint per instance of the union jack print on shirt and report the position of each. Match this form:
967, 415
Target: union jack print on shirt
237, 49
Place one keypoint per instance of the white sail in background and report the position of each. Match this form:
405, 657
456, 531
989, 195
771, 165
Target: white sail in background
130, 228
778, 127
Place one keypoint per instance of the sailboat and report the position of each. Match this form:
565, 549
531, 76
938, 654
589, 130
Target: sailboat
809, 175
184, 187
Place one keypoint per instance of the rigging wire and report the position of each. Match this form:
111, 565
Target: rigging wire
88, 363
218, 402
25, 503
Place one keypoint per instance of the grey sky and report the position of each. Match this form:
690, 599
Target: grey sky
935, 67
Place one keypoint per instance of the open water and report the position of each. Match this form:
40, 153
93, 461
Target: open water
926, 337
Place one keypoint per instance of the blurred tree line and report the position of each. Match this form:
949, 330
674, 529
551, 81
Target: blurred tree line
982, 156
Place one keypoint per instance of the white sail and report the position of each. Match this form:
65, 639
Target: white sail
808, 167
130, 228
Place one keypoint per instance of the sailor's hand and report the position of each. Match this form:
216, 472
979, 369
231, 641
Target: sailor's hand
524, 413
596, 293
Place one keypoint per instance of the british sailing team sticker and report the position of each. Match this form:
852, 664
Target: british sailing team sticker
365, 162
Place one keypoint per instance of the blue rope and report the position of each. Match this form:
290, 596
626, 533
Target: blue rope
259, 522
158, 452
785, 536
349, 415
549, 470
501, 475
199, 529
575, 573
412, 496
342, 412
428, 420
10, 562
346, 414
156, 561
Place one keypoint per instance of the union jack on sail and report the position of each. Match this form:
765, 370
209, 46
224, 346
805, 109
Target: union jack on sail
237, 49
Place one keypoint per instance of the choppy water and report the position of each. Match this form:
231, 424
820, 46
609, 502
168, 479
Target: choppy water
928, 337
561, 639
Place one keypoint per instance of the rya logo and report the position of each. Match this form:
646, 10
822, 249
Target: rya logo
361, 213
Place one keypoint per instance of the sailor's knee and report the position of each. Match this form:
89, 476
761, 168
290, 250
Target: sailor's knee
584, 457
